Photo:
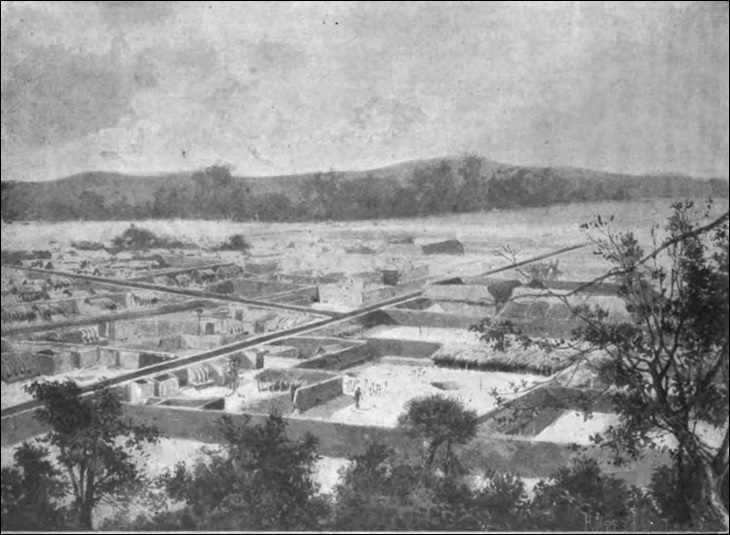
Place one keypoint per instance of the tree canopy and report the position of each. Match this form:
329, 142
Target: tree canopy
666, 366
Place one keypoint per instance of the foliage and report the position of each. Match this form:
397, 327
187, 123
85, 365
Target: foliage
261, 481
236, 242
667, 366
383, 490
467, 183
86, 245
94, 443
575, 497
440, 420
31, 492
135, 238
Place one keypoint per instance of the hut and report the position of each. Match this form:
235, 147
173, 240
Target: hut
140, 390
203, 276
228, 271
32, 291
166, 385
53, 361
18, 366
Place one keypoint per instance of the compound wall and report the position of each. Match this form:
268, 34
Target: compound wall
310, 396
340, 360
382, 347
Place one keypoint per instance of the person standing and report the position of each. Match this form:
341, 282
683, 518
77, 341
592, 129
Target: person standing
358, 396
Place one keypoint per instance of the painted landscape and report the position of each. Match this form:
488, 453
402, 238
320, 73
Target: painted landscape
427, 343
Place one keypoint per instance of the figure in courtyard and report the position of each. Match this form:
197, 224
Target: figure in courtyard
232, 379
358, 396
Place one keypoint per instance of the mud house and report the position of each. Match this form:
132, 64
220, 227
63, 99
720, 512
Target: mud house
227, 272
393, 275
53, 361
32, 291
183, 280
19, 313
203, 276
18, 366
346, 292
166, 385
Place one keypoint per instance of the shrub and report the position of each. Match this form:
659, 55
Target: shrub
86, 245
236, 242
135, 238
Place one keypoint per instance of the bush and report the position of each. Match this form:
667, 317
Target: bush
86, 245
236, 242
135, 238
580, 496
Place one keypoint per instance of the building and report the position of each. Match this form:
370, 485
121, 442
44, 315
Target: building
18, 366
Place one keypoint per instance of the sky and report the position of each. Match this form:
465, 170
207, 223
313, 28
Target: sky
290, 87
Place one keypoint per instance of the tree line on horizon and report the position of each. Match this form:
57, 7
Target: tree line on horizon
446, 187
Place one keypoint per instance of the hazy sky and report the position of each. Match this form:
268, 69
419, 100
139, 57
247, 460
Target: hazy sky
277, 87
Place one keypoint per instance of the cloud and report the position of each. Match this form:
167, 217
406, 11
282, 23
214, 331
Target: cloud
54, 96
382, 120
299, 86
125, 14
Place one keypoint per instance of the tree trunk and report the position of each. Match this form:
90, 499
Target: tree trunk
711, 483
448, 465
86, 520
432, 454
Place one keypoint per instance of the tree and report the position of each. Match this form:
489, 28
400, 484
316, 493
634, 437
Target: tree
261, 481
31, 490
578, 494
235, 242
92, 206
381, 490
440, 420
667, 363
94, 443
432, 189
473, 189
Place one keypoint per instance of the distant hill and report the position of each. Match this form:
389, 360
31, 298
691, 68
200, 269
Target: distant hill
419, 187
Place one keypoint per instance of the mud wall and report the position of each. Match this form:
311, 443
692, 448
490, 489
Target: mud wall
381, 294
310, 396
308, 346
252, 288
471, 293
527, 458
299, 295
340, 360
420, 318
539, 408
382, 347
281, 403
